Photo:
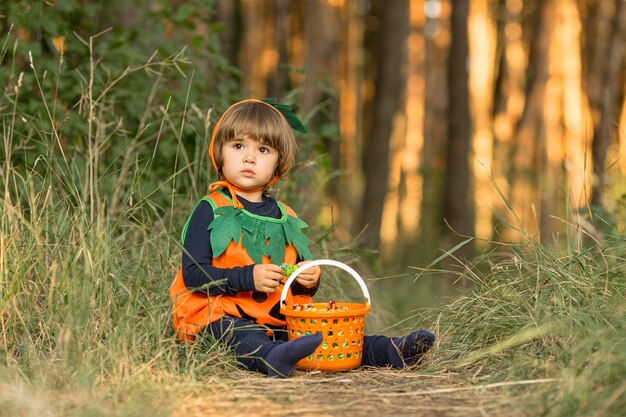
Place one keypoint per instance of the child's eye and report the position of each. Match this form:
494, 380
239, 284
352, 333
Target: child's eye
266, 149
237, 145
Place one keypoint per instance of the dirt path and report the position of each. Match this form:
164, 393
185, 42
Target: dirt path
364, 392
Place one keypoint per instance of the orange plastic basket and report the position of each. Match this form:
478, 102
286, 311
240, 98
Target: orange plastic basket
342, 344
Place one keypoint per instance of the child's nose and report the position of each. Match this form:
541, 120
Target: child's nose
249, 157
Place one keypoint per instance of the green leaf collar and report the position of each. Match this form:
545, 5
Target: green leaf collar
258, 235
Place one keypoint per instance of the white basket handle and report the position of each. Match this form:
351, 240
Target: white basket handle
330, 262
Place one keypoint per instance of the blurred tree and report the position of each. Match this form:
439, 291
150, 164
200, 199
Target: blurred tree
317, 81
509, 99
278, 83
387, 34
257, 58
410, 179
481, 68
345, 190
229, 15
437, 33
457, 191
606, 78
525, 156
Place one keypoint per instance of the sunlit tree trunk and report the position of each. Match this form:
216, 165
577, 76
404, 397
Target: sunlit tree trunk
258, 55
509, 103
412, 180
349, 184
389, 58
482, 59
389, 227
457, 201
552, 181
573, 160
524, 198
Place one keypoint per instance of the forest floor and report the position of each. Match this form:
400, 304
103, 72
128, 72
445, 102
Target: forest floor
362, 392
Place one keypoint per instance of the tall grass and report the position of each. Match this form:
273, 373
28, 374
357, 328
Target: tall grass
88, 248
546, 315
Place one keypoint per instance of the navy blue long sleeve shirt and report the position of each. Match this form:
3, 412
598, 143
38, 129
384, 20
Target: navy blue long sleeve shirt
198, 270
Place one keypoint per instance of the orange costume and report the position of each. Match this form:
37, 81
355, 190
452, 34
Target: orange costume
240, 238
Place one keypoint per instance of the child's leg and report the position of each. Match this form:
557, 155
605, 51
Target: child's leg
248, 341
398, 352
257, 351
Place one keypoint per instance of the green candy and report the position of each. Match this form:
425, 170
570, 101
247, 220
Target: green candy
288, 269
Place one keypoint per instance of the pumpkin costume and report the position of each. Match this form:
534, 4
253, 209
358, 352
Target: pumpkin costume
240, 238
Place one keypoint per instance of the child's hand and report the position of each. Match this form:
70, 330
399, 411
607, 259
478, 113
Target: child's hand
309, 277
267, 277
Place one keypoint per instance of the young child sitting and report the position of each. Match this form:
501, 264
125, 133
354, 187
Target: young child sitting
237, 237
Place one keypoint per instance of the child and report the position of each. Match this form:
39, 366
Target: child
230, 280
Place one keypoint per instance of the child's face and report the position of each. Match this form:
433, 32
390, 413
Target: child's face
247, 163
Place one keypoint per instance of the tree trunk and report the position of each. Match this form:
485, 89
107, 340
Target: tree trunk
320, 30
482, 50
229, 13
345, 190
606, 95
278, 82
509, 104
457, 205
321, 43
253, 48
388, 57
525, 156
436, 51
410, 205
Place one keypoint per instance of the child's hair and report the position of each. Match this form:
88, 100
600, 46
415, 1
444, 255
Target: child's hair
261, 122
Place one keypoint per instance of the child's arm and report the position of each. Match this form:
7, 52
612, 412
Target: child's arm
198, 257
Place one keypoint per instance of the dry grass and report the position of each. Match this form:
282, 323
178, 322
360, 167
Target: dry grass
362, 392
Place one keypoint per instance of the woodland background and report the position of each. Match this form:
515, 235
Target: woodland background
454, 118
431, 122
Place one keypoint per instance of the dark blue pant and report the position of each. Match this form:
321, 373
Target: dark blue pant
250, 343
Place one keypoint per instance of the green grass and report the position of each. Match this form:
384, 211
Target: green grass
552, 316
88, 249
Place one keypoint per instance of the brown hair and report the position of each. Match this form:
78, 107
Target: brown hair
261, 122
